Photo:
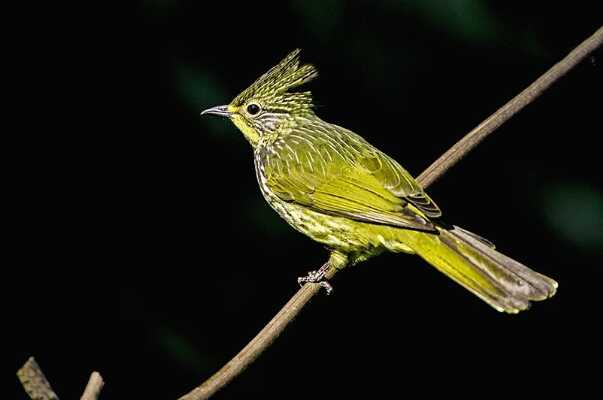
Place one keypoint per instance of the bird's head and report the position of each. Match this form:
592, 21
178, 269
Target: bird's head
267, 107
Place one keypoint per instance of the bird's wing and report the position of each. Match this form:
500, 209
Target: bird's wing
343, 175
398, 181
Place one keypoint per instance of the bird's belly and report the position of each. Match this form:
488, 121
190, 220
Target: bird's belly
342, 234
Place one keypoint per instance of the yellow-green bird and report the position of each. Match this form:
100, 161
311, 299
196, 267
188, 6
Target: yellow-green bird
335, 187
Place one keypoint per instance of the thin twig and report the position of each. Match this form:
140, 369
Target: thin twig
259, 343
94, 386
34, 382
274, 328
503, 114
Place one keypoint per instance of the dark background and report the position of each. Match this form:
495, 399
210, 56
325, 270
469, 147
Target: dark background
143, 249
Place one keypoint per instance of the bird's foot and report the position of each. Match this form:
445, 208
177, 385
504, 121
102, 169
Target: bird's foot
317, 277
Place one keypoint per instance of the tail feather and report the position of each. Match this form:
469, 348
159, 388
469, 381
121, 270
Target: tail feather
517, 275
472, 261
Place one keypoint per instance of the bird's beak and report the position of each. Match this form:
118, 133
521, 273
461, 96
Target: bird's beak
218, 110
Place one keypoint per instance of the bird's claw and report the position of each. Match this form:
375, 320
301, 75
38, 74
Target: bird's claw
316, 277
327, 286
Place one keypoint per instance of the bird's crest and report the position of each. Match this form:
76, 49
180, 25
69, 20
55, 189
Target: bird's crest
279, 79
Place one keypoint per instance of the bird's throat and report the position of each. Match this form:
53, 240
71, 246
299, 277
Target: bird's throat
250, 133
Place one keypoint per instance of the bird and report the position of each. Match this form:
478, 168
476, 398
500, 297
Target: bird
332, 185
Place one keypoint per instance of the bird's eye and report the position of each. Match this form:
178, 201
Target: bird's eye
253, 109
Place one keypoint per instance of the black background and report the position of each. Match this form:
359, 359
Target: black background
143, 249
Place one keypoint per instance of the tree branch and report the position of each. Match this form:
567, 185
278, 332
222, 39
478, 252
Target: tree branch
259, 343
34, 382
37, 387
276, 326
94, 386
503, 114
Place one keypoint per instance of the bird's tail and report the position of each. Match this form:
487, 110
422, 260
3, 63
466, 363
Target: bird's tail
472, 261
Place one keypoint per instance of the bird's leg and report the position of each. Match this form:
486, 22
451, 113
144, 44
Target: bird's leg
317, 277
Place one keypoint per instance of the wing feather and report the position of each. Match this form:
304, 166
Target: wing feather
336, 172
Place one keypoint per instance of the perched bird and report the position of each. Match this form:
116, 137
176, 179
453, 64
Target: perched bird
333, 186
